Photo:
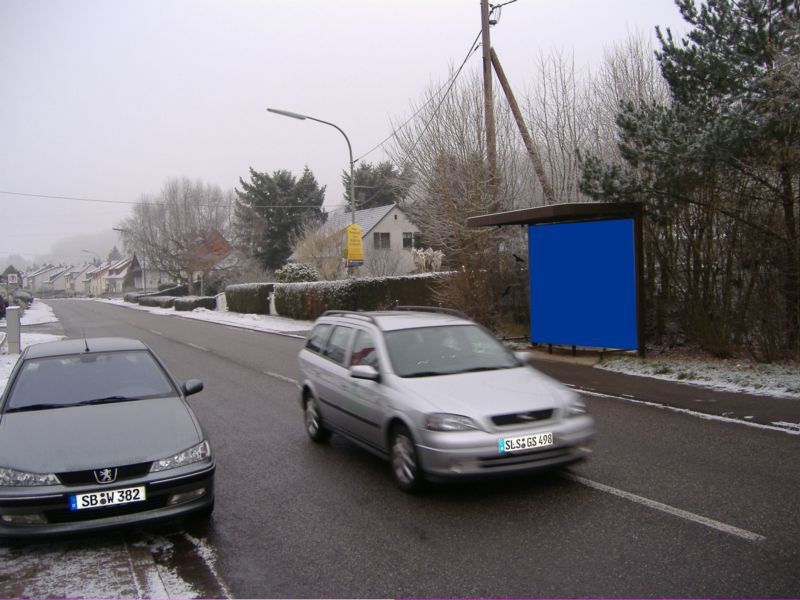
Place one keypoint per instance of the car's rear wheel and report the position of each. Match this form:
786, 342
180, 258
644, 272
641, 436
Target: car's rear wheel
405, 464
313, 421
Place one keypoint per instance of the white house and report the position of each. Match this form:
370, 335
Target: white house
387, 237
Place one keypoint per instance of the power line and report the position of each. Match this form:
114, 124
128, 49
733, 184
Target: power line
100, 200
472, 50
449, 86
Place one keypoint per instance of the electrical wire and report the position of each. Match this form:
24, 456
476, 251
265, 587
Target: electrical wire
448, 85
99, 200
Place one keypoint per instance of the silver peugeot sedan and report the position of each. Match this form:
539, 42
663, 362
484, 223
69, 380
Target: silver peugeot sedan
437, 395
95, 433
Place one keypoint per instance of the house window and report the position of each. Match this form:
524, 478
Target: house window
380, 241
410, 240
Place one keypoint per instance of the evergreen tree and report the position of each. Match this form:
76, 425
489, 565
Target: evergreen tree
271, 210
376, 185
114, 255
729, 141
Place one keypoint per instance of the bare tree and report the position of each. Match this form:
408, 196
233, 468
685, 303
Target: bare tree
320, 248
384, 262
170, 227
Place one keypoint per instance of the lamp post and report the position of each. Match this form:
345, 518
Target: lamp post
294, 115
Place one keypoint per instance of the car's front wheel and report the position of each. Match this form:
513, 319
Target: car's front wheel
405, 464
313, 421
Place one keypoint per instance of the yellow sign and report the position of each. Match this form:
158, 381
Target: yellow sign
355, 252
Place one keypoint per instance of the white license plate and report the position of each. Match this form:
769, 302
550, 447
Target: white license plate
525, 442
107, 498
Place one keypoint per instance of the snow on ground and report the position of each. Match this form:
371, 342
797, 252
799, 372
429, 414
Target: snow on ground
782, 380
38, 313
268, 323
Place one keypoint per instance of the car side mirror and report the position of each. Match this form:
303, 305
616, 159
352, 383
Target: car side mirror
526, 358
192, 386
365, 372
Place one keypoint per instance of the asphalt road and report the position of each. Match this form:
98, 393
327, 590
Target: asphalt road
670, 505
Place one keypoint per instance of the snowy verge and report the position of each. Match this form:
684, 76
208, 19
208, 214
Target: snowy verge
266, 323
38, 313
778, 380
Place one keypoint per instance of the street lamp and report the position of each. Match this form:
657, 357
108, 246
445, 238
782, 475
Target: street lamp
294, 115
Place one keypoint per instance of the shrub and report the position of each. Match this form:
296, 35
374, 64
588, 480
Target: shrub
189, 303
22, 298
133, 297
307, 301
158, 301
296, 272
249, 297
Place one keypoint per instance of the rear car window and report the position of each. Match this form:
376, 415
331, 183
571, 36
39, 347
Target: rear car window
316, 340
336, 347
75, 379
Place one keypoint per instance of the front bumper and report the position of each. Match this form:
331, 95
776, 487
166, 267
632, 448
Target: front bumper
44, 511
445, 455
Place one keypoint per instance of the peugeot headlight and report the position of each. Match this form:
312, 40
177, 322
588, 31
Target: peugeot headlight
12, 477
448, 422
576, 408
194, 454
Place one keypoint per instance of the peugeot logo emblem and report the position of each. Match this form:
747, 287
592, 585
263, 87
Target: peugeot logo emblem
105, 475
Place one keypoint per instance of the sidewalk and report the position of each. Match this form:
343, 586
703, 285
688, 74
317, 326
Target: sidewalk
755, 410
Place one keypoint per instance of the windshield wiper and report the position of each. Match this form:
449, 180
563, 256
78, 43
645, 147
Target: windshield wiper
427, 374
105, 400
35, 407
476, 369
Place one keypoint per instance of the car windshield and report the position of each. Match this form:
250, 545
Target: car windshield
96, 378
446, 350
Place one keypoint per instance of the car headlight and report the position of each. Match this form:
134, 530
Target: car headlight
575, 409
448, 422
12, 477
194, 454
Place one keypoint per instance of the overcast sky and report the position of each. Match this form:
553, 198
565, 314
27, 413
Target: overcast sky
107, 99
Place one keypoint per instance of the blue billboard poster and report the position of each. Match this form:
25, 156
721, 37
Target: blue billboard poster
583, 284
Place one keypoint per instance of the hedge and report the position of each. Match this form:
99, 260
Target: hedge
249, 298
306, 301
159, 301
189, 303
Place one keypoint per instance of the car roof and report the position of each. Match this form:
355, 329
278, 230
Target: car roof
80, 345
392, 320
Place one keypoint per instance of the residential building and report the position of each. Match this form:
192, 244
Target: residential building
387, 236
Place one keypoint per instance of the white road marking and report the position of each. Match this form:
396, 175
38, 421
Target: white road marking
281, 377
774, 427
154, 331
197, 347
671, 510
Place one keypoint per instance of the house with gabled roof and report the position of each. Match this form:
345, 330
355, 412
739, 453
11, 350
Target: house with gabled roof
384, 230
33, 280
56, 281
115, 276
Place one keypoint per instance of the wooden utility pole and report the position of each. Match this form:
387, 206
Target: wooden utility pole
538, 167
488, 105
